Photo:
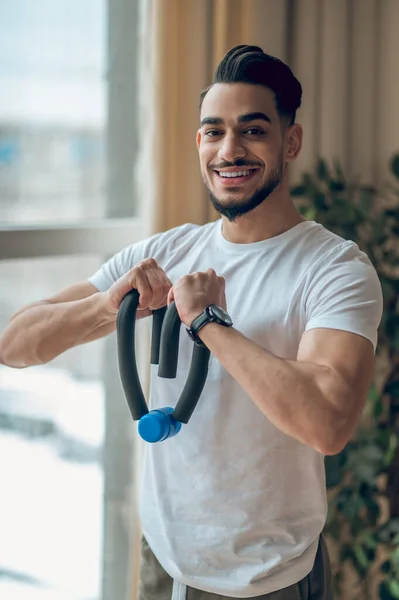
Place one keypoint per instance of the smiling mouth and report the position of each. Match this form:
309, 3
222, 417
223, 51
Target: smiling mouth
234, 178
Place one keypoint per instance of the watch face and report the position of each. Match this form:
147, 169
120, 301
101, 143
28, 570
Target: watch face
220, 314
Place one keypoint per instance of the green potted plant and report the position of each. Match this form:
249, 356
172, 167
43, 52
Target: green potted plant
363, 479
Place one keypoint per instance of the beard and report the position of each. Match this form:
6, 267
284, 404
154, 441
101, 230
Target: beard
232, 210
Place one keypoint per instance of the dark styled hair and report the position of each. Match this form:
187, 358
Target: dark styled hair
249, 64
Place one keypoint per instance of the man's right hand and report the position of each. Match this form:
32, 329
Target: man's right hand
79, 314
149, 280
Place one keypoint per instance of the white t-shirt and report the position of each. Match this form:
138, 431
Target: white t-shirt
232, 505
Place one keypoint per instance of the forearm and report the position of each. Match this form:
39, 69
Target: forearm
297, 397
40, 333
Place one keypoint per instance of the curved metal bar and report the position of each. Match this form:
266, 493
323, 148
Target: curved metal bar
125, 330
157, 321
194, 385
169, 347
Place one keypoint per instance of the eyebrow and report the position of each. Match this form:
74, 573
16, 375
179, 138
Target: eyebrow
247, 118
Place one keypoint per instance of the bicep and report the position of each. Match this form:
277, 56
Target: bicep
348, 356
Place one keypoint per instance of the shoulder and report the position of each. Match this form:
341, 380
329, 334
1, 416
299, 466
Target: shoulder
343, 276
341, 273
343, 290
332, 253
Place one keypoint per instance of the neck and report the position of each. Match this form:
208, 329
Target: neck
274, 216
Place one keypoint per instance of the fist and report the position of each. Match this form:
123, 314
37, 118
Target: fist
193, 293
149, 280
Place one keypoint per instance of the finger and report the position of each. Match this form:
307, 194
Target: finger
144, 289
160, 285
165, 282
157, 283
143, 285
170, 297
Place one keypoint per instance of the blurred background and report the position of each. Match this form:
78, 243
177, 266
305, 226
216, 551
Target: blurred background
98, 115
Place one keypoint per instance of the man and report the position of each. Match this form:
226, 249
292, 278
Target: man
234, 506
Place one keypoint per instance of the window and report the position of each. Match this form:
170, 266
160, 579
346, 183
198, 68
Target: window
51, 439
52, 110
68, 119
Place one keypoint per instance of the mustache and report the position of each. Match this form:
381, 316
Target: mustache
238, 163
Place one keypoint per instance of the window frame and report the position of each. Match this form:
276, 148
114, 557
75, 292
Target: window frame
105, 237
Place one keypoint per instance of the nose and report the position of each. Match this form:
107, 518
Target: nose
231, 148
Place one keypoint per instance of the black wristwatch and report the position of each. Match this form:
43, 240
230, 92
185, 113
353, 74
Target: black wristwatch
212, 314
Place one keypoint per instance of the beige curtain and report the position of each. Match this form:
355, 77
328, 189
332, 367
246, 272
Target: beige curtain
344, 52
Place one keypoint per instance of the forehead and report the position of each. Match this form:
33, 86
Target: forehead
230, 100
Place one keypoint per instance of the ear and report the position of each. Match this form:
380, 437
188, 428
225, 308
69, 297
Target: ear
293, 142
198, 139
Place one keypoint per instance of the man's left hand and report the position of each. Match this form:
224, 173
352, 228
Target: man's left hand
193, 293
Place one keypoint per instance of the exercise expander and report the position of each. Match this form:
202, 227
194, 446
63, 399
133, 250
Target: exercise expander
161, 423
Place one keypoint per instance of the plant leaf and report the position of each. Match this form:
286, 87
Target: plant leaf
395, 557
392, 388
393, 443
393, 587
386, 567
298, 190
384, 591
322, 171
361, 556
366, 199
395, 165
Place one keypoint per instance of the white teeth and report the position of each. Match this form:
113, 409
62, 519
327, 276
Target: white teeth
235, 174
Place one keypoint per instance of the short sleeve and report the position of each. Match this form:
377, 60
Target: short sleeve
116, 266
344, 292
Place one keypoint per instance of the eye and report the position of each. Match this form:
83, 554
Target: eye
254, 131
212, 132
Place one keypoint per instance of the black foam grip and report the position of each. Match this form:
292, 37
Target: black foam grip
194, 384
125, 331
169, 346
157, 320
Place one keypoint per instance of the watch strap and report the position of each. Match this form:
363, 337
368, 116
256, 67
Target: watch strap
197, 325
199, 322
